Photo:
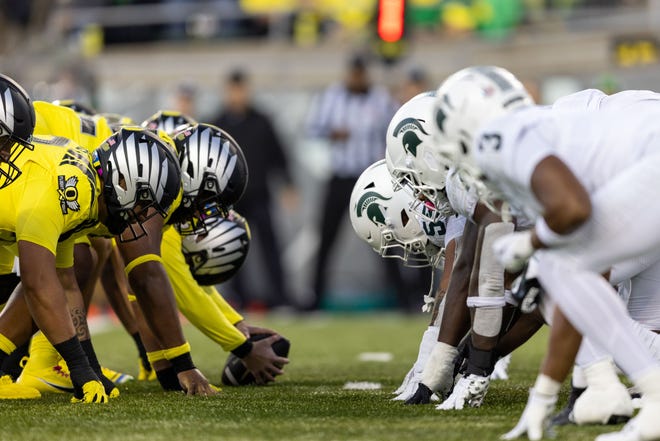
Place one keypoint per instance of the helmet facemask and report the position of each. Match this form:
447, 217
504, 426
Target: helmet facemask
17, 120
382, 217
11, 147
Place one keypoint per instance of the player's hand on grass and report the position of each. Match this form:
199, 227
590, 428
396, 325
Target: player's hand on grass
263, 362
194, 382
91, 392
535, 418
422, 395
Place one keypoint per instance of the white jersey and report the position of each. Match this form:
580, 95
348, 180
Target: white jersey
455, 227
462, 199
596, 146
594, 99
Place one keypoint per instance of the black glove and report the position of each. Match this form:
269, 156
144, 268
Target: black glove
422, 395
526, 289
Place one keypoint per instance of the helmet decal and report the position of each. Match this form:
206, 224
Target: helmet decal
410, 140
8, 109
368, 203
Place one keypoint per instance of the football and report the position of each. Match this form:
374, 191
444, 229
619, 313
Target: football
235, 373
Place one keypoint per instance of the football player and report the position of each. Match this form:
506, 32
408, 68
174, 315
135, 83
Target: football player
215, 177
70, 193
584, 177
142, 255
413, 159
382, 216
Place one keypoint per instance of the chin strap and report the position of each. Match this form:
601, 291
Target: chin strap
429, 298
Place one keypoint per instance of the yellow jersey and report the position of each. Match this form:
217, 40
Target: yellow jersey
87, 131
54, 201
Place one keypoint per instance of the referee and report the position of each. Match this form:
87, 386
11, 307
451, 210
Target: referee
352, 116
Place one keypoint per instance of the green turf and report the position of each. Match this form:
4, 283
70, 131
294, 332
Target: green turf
308, 403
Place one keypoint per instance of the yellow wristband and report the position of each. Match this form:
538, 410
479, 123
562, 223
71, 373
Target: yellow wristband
140, 260
156, 356
176, 351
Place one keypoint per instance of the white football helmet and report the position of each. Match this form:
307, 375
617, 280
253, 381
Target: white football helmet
468, 99
465, 102
411, 157
382, 216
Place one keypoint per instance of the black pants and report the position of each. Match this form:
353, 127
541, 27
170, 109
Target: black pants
260, 221
336, 202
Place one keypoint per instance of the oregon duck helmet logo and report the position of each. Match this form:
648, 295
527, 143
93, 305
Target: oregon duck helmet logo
368, 204
410, 139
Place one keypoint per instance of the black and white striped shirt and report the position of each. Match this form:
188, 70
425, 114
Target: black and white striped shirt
364, 116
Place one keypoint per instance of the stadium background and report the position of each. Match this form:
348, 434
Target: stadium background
131, 57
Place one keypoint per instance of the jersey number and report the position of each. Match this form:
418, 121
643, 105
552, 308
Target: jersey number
490, 141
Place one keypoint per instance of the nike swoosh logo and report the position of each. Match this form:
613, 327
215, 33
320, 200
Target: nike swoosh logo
62, 388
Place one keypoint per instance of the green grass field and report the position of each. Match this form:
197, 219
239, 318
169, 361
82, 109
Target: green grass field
308, 403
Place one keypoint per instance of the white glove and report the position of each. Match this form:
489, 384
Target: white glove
438, 374
534, 418
501, 370
514, 250
470, 390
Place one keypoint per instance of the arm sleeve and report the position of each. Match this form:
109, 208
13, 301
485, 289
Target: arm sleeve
193, 302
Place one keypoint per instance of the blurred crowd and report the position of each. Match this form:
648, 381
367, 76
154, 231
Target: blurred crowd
303, 22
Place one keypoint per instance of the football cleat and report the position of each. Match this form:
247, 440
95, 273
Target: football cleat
116, 377
53, 379
145, 373
469, 391
92, 392
13, 391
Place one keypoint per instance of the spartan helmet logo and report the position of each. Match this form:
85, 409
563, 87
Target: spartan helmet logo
410, 142
410, 139
374, 211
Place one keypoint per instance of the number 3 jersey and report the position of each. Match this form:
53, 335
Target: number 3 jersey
53, 201
596, 146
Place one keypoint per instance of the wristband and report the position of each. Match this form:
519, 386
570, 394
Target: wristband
547, 236
182, 363
140, 260
546, 385
243, 350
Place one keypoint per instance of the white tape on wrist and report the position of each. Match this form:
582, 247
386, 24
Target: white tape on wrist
486, 302
439, 369
549, 237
